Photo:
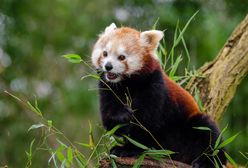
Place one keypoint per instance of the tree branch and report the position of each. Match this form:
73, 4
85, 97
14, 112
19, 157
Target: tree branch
128, 162
224, 73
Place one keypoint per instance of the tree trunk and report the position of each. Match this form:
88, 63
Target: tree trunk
217, 87
224, 73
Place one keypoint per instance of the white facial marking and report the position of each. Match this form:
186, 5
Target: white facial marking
134, 63
121, 50
95, 56
108, 46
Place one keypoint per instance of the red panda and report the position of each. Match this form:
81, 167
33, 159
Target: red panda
129, 65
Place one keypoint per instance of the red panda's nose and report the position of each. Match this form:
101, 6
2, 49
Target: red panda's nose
108, 66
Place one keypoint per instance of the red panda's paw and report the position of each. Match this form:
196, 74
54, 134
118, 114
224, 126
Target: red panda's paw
125, 151
125, 116
128, 109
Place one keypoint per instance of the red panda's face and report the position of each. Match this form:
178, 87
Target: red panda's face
121, 52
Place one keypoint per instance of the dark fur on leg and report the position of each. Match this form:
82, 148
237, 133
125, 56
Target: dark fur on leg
205, 140
128, 150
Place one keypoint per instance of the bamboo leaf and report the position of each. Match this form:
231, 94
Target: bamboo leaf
32, 108
136, 143
186, 50
216, 165
215, 152
113, 130
174, 67
246, 157
230, 159
91, 139
69, 155
61, 143
60, 156
49, 124
202, 128
73, 58
219, 138
113, 163
139, 161
91, 75
159, 152
184, 29
226, 142
35, 126
84, 144
80, 157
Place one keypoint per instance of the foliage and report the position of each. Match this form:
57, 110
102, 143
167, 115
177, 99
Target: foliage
33, 35
69, 155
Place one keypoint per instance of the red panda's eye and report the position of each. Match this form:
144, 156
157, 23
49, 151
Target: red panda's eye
105, 54
121, 57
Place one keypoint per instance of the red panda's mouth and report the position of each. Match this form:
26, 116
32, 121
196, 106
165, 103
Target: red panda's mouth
111, 76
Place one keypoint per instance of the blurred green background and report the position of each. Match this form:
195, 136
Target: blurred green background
34, 35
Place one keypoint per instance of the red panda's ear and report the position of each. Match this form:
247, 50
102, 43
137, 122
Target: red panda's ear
110, 28
151, 38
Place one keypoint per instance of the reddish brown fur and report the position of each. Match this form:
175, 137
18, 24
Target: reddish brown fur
149, 64
176, 92
126, 66
181, 97
99, 60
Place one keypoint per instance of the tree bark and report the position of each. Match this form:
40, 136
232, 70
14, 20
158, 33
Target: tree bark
217, 87
224, 73
125, 162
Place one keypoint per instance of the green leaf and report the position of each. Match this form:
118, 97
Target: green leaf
59, 153
84, 144
91, 75
215, 152
91, 139
81, 165
226, 142
186, 50
113, 130
138, 162
29, 154
216, 164
113, 163
155, 24
136, 143
80, 157
35, 126
202, 128
184, 29
69, 155
50, 124
32, 108
60, 156
219, 138
119, 140
174, 67
246, 157
156, 157
231, 160
73, 58
61, 143
159, 152
36, 106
